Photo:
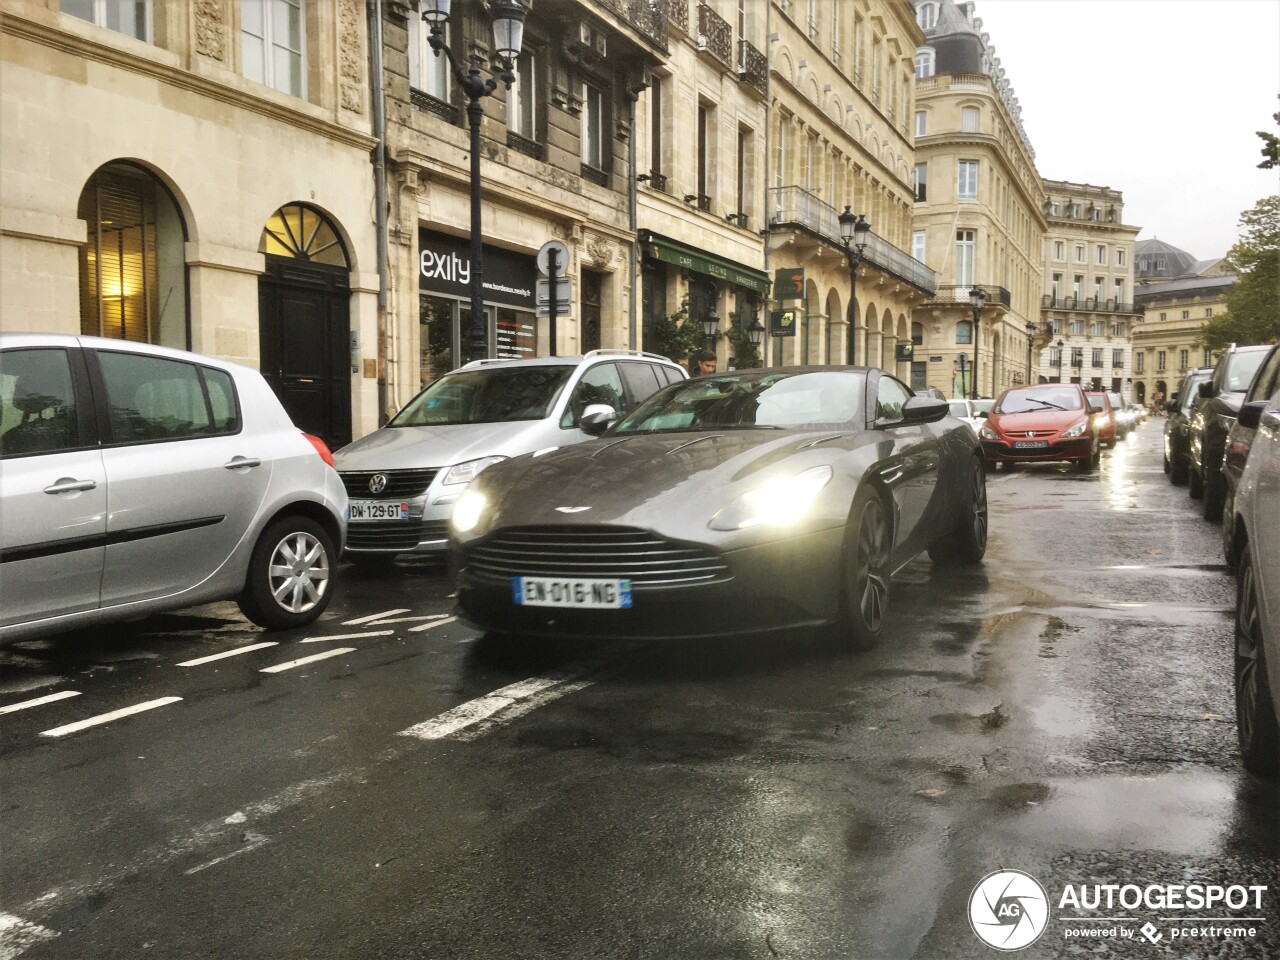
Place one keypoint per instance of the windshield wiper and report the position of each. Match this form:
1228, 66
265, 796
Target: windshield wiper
1045, 402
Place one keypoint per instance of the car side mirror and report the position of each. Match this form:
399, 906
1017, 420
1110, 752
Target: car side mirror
1250, 414
1095, 408
597, 418
924, 410
1206, 389
983, 414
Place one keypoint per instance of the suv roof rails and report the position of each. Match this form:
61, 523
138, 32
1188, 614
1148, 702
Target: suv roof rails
484, 360
625, 351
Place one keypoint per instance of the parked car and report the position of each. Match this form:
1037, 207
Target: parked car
930, 392
965, 410
1049, 421
1211, 420
747, 502
139, 479
1104, 420
1125, 413
1177, 426
1257, 624
1266, 385
404, 479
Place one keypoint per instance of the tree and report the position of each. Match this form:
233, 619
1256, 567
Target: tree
1253, 305
1270, 147
676, 337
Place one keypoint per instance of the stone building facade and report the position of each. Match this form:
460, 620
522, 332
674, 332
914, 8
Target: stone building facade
1087, 302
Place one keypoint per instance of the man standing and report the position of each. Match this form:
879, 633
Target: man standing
704, 363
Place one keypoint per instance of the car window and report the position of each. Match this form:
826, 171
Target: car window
222, 400
1100, 400
600, 384
642, 381
154, 398
1037, 399
671, 374
487, 395
890, 397
982, 406
37, 403
1190, 392
1241, 369
957, 408
1267, 382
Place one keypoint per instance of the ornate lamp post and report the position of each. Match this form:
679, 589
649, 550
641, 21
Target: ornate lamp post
710, 324
508, 37
977, 298
1060, 348
854, 232
1031, 335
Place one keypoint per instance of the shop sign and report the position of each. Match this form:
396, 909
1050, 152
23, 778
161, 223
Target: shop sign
782, 323
788, 284
444, 266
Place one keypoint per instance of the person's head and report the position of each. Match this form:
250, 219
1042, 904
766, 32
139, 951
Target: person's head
704, 363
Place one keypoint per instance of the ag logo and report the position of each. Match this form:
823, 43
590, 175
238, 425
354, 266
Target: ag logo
1008, 910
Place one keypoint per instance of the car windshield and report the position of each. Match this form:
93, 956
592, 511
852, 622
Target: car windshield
1116, 402
1099, 400
1241, 369
487, 395
957, 408
757, 399
982, 406
1187, 398
1037, 399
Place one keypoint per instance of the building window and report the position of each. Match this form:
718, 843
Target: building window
133, 275
1057, 288
917, 245
1208, 358
964, 332
746, 150
1208, 311
837, 55
924, 64
1097, 290
1077, 289
1079, 253
523, 100
133, 18
593, 126
966, 244
1077, 328
1163, 315
1139, 362
427, 72
927, 16
1117, 329
1119, 292
271, 40
921, 122
922, 182
1160, 361
1059, 250
1186, 314
705, 128
1097, 357
1117, 358
1075, 211
1077, 356
655, 133
1055, 356
1102, 254
917, 334
1098, 328
1120, 258
967, 180
969, 119
1182, 359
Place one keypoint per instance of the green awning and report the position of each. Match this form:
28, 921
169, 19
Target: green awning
667, 250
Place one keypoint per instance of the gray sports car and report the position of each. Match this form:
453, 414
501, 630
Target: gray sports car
745, 502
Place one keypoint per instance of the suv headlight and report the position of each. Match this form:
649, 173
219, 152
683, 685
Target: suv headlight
1075, 431
468, 471
469, 511
986, 433
776, 503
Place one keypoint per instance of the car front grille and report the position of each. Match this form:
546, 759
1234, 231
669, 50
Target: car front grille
1029, 434
401, 484
623, 553
394, 534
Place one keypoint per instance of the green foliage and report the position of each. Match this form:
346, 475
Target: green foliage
676, 337
1270, 147
746, 354
1253, 305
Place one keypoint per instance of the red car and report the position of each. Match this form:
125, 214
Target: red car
1051, 421
1105, 422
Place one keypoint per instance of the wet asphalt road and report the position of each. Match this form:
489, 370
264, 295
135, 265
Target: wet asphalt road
1066, 710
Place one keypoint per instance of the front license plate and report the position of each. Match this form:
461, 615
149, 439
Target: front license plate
1030, 444
377, 510
583, 594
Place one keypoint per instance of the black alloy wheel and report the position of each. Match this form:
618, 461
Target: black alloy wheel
865, 599
967, 543
1256, 722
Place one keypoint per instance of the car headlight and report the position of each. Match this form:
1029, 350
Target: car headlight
986, 433
469, 511
1103, 419
776, 503
468, 471
1076, 431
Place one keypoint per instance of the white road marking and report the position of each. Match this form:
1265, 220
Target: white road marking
304, 660
38, 701
528, 694
374, 616
17, 934
229, 653
108, 717
431, 626
434, 616
349, 636
253, 842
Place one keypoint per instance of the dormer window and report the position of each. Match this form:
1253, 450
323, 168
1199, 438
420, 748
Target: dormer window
924, 63
927, 16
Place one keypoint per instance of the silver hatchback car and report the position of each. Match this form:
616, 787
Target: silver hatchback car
404, 478
135, 479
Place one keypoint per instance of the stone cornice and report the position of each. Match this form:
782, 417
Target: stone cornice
303, 115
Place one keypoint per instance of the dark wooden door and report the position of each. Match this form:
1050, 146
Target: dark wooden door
305, 328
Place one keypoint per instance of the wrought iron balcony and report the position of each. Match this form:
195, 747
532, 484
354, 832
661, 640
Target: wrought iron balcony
753, 66
714, 34
679, 14
649, 17
425, 102
1091, 304
959, 293
797, 207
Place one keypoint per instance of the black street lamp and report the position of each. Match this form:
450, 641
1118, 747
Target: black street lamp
1031, 335
756, 333
710, 323
977, 298
854, 232
508, 37
1060, 348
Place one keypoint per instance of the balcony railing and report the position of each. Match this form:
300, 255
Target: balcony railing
679, 14
424, 101
1093, 304
959, 293
714, 34
753, 66
796, 206
649, 17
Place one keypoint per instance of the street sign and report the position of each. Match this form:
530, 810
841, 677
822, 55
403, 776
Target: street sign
935, 359
564, 292
782, 323
788, 284
562, 258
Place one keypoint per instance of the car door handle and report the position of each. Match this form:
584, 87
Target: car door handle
239, 463
70, 485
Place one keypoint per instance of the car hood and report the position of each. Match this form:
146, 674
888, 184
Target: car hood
1035, 420
400, 448
652, 480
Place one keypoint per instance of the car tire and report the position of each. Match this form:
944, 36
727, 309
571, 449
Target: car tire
1178, 472
1215, 493
1168, 467
1195, 483
289, 582
1257, 726
967, 543
864, 597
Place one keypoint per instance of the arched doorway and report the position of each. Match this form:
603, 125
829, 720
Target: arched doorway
1140, 393
304, 321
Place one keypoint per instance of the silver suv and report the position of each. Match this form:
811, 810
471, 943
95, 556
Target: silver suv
138, 479
404, 478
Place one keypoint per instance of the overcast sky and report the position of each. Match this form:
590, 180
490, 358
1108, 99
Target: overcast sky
1159, 99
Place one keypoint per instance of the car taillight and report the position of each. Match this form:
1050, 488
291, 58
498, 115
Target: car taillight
322, 449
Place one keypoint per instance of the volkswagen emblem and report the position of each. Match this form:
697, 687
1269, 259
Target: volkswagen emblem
377, 483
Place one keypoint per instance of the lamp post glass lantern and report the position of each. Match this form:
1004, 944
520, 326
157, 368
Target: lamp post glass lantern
508, 36
710, 323
854, 232
756, 332
1060, 346
977, 299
